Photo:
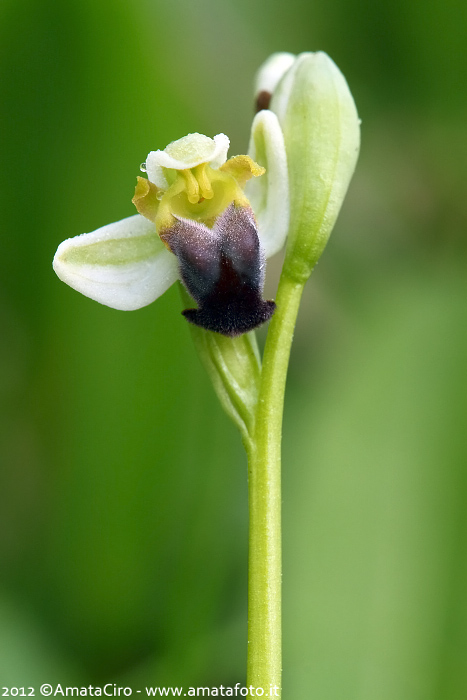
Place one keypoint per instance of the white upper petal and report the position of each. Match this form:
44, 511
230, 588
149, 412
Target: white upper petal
272, 71
187, 152
123, 265
269, 194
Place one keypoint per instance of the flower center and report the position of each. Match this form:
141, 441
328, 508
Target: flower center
198, 184
199, 193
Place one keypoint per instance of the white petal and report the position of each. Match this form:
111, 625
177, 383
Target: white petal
187, 152
123, 265
272, 71
154, 171
220, 154
269, 194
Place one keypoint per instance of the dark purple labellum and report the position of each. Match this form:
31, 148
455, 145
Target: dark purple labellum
223, 270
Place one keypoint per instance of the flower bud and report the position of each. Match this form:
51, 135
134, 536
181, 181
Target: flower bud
321, 131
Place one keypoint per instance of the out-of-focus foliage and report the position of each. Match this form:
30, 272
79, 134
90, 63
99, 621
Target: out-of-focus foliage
123, 518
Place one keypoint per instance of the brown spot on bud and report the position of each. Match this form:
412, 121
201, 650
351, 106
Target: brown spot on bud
263, 100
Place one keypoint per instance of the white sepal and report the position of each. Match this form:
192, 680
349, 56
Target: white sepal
269, 194
123, 265
272, 71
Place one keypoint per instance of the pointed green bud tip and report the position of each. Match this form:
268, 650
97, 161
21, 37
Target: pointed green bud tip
321, 129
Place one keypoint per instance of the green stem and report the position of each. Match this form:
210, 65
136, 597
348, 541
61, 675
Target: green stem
264, 471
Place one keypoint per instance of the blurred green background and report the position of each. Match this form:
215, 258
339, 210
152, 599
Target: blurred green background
123, 501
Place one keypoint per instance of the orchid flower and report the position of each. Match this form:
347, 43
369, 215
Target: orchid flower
195, 222
212, 222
